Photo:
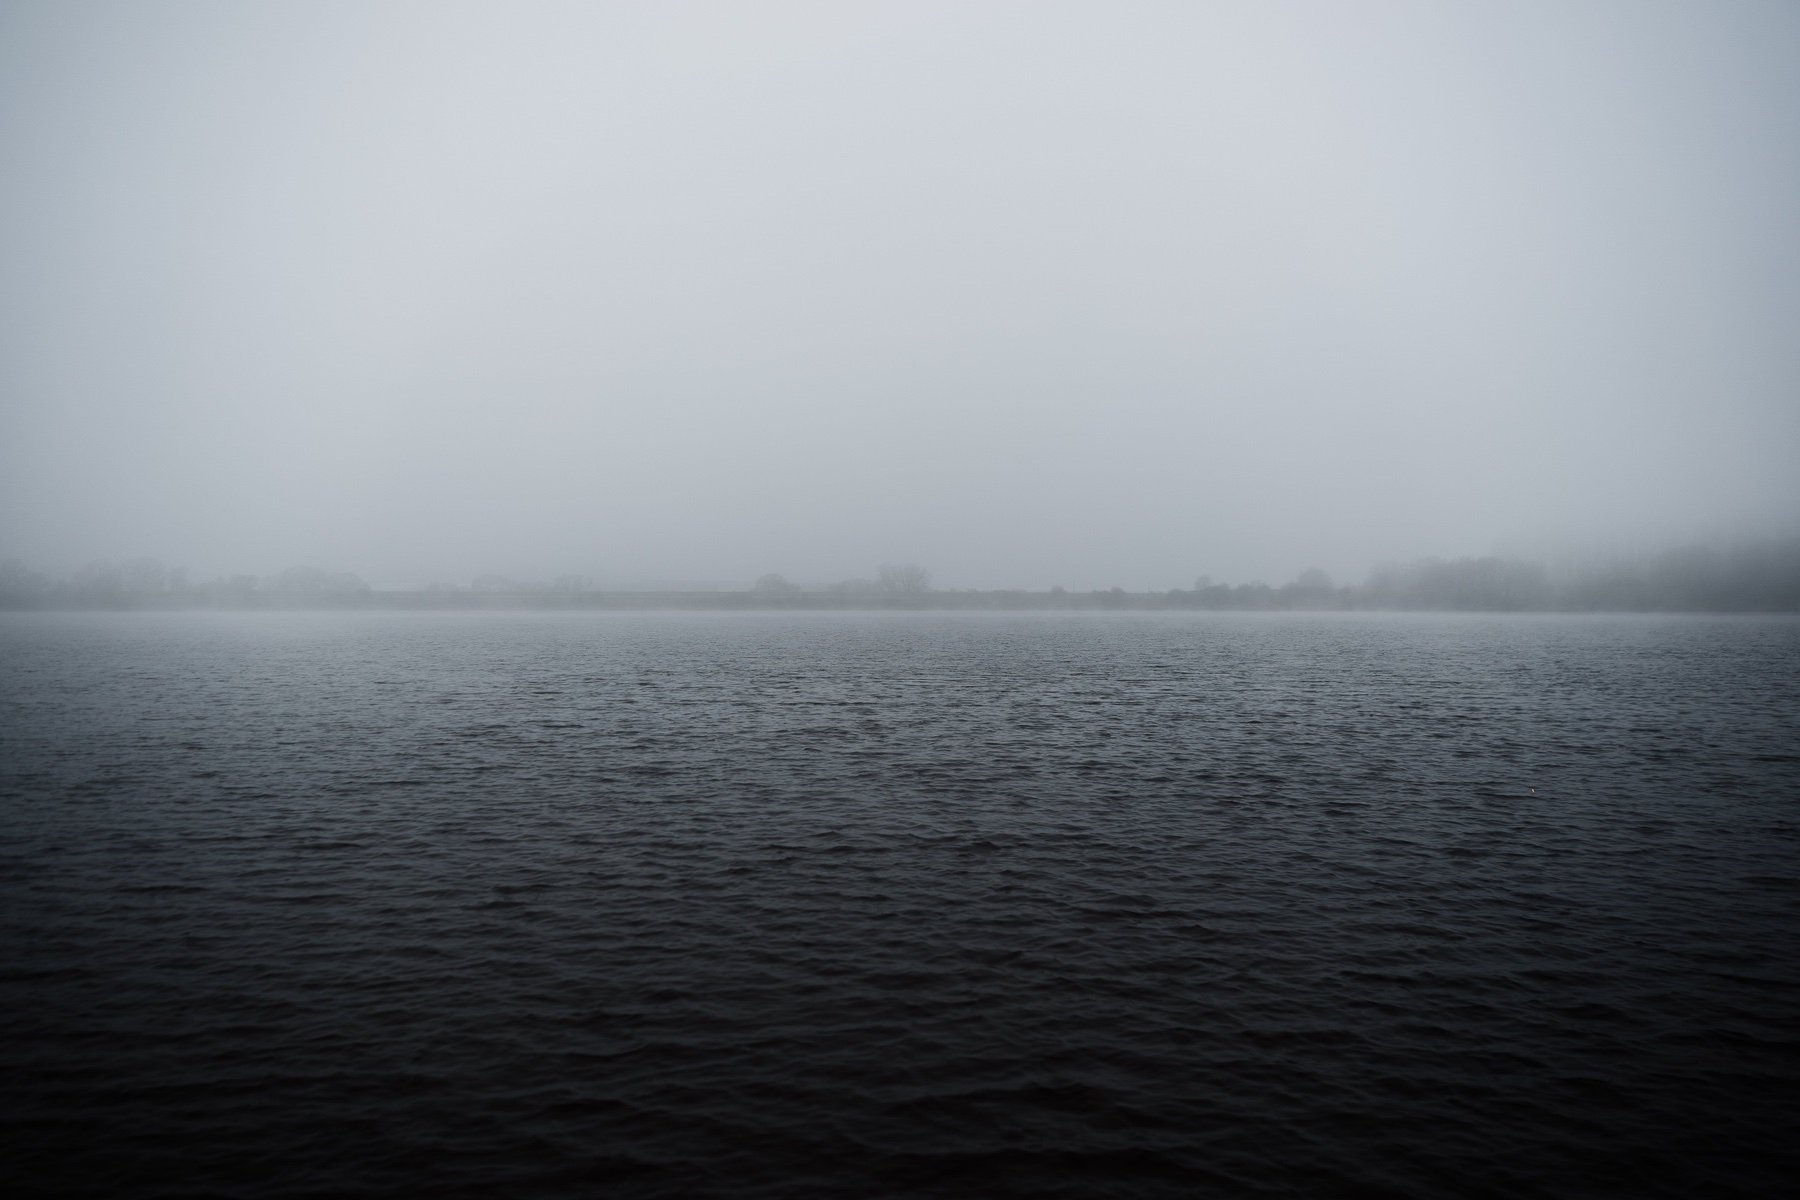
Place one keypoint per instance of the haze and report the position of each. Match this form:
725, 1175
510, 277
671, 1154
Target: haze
1031, 293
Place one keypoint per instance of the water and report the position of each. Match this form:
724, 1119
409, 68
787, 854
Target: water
1078, 905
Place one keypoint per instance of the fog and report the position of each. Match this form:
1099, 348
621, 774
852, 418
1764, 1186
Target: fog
1030, 293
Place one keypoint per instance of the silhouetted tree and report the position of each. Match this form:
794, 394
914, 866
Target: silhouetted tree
98, 583
1312, 589
773, 585
909, 578
1466, 584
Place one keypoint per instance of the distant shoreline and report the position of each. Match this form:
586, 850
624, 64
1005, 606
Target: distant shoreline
948, 601
1759, 576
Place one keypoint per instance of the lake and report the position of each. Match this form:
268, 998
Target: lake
899, 904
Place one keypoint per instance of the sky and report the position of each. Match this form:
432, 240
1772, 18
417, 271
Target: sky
1030, 293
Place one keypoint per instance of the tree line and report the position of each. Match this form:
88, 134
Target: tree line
1759, 576
147, 583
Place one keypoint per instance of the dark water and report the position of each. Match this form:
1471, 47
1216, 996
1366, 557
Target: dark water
1087, 905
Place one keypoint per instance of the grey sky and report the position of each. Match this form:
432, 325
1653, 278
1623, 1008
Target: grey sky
1032, 293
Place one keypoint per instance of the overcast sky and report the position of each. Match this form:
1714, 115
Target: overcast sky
1039, 293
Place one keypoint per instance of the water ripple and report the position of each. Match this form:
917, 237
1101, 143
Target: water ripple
545, 904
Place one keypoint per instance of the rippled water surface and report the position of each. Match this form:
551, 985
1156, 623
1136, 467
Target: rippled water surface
690, 905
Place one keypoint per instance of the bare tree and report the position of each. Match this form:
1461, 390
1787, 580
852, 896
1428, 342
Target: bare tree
902, 577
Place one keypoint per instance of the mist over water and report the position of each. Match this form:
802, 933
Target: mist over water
1186, 307
1036, 293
